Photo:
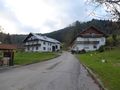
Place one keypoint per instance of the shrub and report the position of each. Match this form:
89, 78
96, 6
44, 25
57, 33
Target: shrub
101, 49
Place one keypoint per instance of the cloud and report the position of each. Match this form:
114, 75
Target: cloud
7, 24
6, 21
41, 16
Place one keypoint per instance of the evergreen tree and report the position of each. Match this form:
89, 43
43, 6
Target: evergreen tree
7, 39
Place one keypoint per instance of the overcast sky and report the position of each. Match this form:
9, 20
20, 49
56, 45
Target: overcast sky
43, 16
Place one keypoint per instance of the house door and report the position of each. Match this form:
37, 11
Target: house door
53, 48
56, 47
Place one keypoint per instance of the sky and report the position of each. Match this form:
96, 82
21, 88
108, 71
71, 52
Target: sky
43, 16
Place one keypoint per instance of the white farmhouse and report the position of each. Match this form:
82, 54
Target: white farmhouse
89, 40
38, 43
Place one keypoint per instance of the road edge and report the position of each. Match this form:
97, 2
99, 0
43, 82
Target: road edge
93, 76
17, 66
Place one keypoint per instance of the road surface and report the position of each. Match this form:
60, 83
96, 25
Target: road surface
62, 73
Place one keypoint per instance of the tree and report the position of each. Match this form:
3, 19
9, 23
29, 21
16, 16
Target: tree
1, 34
7, 39
114, 37
76, 28
1, 29
113, 7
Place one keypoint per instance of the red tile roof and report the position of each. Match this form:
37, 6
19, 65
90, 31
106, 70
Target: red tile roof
7, 47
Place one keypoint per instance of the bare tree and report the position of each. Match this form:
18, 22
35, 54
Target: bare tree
112, 7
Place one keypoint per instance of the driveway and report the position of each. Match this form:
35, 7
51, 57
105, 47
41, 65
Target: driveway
62, 73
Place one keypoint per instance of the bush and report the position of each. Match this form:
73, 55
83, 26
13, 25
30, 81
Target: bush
73, 51
101, 49
82, 51
78, 52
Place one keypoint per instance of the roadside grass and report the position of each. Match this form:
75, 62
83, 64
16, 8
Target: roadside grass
22, 58
109, 71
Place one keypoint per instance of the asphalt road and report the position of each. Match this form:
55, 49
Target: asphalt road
62, 73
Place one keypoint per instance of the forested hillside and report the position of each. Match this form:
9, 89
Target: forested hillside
67, 34
11, 39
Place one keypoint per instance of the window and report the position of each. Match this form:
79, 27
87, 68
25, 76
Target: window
102, 39
48, 49
56, 47
44, 48
94, 46
44, 43
37, 42
28, 48
36, 47
86, 47
32, 48
49, 44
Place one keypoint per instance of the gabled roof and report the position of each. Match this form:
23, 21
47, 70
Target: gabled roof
92, 29
84, 35
43, 38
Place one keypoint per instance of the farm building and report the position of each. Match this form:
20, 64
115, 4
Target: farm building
38, 43
89, 39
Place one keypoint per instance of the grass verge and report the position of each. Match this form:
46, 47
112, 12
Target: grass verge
23, 58
108, 71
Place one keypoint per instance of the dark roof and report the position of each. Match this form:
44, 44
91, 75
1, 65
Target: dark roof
91, 32
89, 35
40, 37
27, 37
7, 47
93, 28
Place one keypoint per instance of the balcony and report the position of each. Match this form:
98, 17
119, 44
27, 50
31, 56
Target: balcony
87, 42
32, 44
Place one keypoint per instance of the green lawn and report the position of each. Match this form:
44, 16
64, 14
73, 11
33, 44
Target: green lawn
108, 72
22, 58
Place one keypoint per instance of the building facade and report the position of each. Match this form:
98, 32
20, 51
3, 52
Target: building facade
90, 39
38, 43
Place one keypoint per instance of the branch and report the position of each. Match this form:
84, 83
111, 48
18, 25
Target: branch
113, 1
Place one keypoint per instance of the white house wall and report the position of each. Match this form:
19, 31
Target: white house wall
88, 47
101, 39
85, 47
46, 46
43, 45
